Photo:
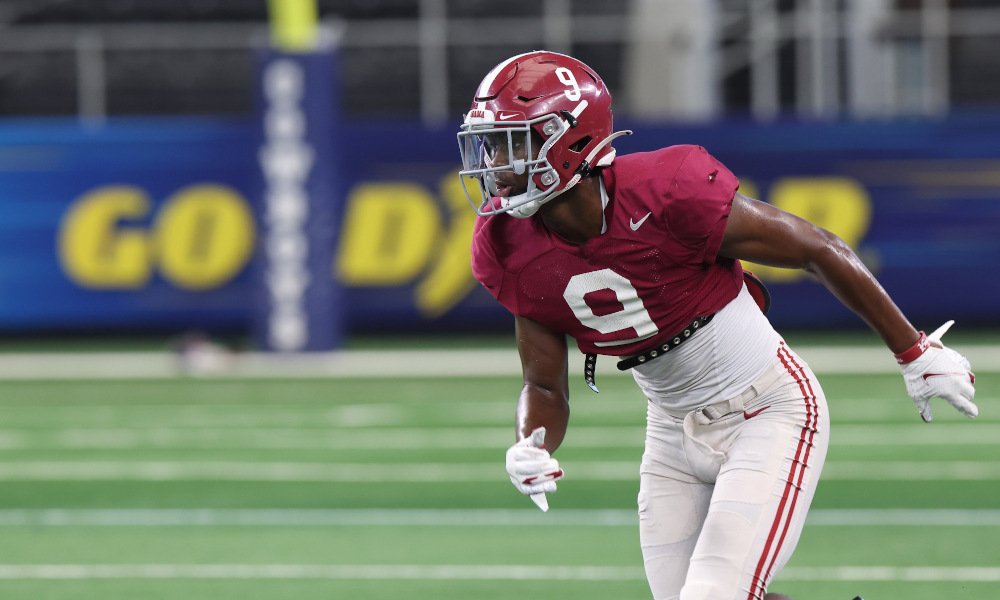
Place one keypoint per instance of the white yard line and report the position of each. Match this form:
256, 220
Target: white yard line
526, 517
904, 517
291, 571
394, 363
441, 438
929, 573
272, 471
911, 471
463, 572
438, 472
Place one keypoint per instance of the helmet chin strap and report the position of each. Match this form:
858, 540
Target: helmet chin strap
525, 210
529, 208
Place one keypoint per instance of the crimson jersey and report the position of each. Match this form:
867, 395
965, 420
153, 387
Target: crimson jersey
641, 282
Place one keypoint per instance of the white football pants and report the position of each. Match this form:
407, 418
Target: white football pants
723, 497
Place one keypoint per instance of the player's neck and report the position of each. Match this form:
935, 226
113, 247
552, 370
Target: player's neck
578, 214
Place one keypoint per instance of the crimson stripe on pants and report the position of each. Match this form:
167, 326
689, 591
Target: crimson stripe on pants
812, 410
794, 479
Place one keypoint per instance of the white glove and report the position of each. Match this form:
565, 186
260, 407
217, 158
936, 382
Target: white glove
932, 372
531, 468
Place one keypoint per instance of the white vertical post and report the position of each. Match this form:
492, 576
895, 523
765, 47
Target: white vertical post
557, 23
90, 78
817, 68
433, 62
764, 97
872, 81
935, 29
672, 63
829, 28
803, 64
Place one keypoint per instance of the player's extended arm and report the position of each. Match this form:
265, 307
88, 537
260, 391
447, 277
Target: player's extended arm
544, 400
761, 233
542, 410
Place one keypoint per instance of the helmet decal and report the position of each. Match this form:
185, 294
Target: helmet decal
566, 76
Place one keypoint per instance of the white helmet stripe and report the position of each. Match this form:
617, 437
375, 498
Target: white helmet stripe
488, 81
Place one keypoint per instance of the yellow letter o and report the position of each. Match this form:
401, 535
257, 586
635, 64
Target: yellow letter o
205, 236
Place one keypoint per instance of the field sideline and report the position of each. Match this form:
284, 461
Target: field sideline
436, 362
378, 474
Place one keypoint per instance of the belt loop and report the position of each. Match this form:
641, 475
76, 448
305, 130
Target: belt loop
711, 412
736, 403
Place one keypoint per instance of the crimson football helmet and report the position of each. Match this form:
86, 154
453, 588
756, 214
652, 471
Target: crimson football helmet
553, 96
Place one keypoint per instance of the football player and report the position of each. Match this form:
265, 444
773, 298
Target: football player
638, 257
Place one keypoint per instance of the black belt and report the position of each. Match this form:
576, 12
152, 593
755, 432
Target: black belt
590, 363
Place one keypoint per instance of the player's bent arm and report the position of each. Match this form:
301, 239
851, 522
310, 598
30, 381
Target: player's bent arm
761, 233
544, 400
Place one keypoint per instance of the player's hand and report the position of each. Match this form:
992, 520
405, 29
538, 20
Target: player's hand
531, 468
932, 370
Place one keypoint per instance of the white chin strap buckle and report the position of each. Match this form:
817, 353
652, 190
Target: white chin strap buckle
525, 210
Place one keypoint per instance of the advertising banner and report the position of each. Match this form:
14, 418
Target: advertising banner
149, 224
136, 224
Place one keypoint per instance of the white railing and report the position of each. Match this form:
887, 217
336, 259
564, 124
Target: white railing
852, 57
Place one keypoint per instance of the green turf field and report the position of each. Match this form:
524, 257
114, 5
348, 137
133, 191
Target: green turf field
386, 488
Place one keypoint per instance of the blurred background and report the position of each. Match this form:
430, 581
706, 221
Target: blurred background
242, 353
134, 136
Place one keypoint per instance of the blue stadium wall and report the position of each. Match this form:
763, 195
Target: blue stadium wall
153, 224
